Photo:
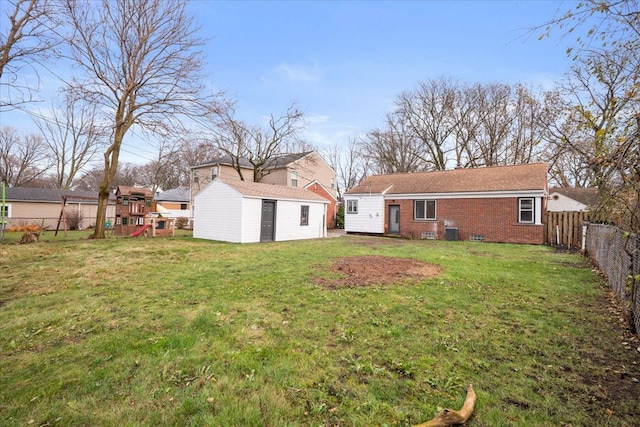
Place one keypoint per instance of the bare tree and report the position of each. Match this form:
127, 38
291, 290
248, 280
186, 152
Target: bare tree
429, 112
260, 146
140, 63
163, 172
26, 37
395, 148
128, 174
73, 137
23, 158
193, 151
349, 164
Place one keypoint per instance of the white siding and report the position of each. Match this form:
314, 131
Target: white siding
370, 216
251, 219
222, 213
559, 203
288, 220
218, 213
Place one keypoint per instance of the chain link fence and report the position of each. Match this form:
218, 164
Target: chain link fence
51, 223
617, 255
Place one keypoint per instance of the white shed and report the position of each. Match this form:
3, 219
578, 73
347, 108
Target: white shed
248, 212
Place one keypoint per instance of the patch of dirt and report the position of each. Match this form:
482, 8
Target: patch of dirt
378, 270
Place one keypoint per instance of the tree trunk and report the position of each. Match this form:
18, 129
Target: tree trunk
110, 168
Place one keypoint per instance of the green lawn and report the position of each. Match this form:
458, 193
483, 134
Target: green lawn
178, 331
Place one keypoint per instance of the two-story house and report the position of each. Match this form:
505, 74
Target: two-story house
302, 170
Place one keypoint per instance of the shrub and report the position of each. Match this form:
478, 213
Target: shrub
182, 222
73, 218
340, 217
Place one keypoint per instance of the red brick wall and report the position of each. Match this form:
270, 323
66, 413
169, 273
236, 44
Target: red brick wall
496, 219
332, 207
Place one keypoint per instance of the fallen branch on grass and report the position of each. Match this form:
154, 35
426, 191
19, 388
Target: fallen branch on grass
450, 417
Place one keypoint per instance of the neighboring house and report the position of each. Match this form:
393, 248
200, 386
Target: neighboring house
492, 204
291, 170
332, 208
42, 206
132, 205
246, 212
572, 199
174, 203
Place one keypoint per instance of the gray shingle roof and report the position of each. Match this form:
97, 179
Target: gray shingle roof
178, 194
28, 194
276, 162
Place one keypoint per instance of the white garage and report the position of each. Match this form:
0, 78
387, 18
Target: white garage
249, 212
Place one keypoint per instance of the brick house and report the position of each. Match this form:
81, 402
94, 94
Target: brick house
493, 204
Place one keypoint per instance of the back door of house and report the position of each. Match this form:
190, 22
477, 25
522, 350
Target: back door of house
268, 222
394, 219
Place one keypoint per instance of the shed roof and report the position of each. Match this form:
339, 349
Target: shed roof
531, 176
272, 191
587, 196
29, 194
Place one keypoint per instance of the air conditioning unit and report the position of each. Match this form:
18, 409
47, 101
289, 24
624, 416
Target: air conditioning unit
451, 233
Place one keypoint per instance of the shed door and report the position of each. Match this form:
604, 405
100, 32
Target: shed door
268, 227
394, 219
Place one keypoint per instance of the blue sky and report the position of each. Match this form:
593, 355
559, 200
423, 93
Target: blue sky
343, 62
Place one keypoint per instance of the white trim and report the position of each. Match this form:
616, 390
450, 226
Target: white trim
467, 195
315, 181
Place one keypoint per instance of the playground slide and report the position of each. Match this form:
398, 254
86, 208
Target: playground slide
139, 232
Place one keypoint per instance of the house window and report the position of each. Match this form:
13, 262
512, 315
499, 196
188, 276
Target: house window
352, 206
525, 210
294, 178
125, 201
333, 183
196, 176
214, 172
183, 206
304, 215
424, 209
7, 211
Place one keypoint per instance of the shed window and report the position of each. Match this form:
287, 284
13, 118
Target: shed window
352, 206
125, 201
125, 220
525, 210
304, 215
424, 209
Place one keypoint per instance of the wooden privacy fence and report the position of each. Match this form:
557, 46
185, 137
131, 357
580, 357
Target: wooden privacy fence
565, 228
